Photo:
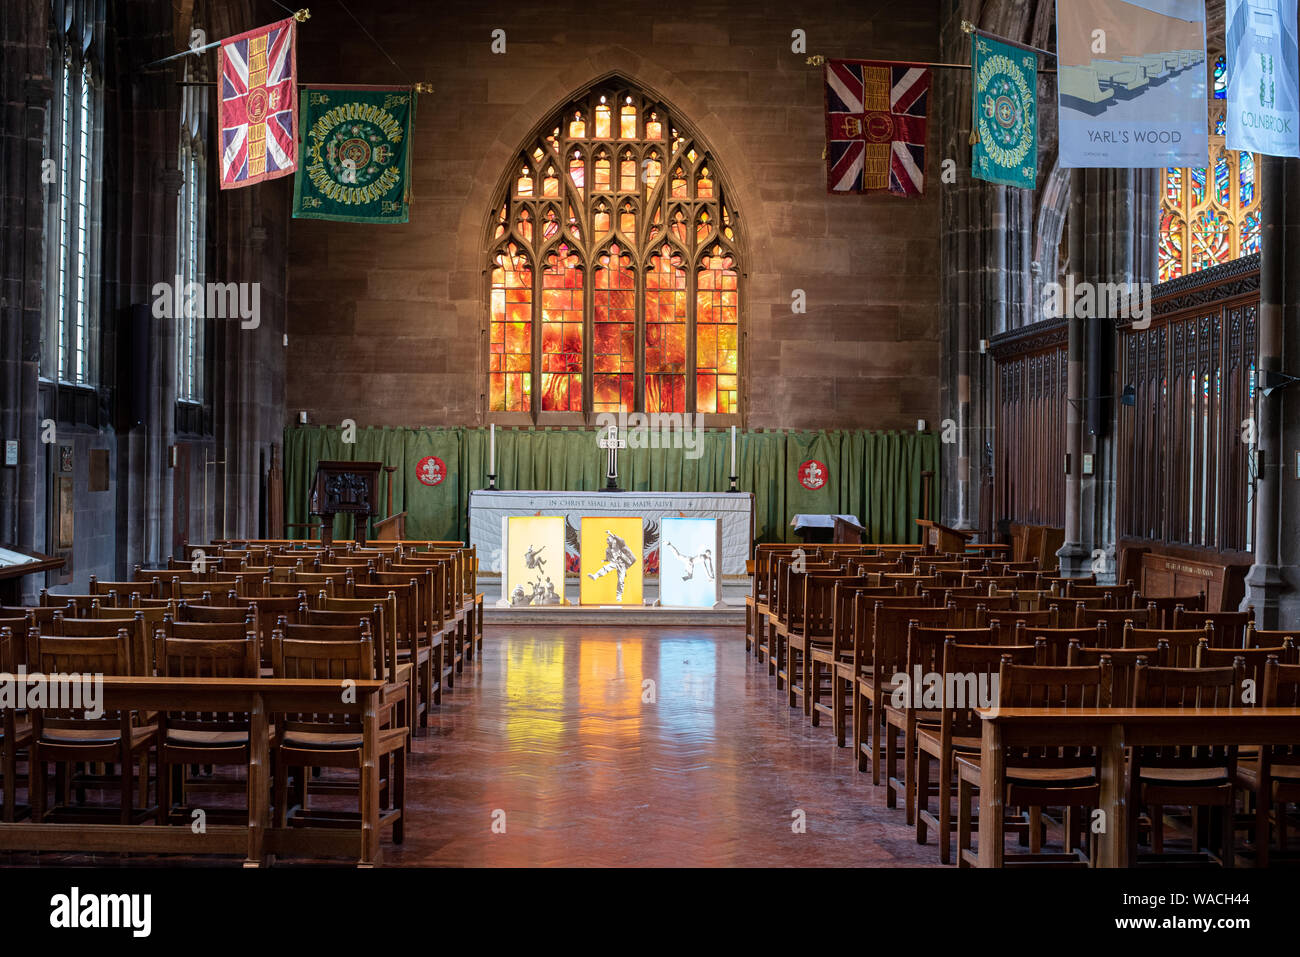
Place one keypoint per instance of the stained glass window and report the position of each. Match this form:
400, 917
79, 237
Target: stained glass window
615, 280
511, 333
1209, 216
665, 332
614, 341
715, 333
562, 331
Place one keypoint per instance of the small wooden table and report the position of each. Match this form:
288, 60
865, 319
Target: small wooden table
1112, 730
260, 698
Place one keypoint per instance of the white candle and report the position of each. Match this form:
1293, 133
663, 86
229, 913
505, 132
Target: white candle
492, 450
733, 450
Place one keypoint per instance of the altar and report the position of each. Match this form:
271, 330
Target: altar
487, 508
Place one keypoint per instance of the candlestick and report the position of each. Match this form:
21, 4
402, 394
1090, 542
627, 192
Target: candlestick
733, 450
492, 449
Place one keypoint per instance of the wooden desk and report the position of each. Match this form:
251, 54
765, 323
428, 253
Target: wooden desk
1112, 730
260, 698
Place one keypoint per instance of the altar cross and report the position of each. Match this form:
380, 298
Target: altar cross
610, 440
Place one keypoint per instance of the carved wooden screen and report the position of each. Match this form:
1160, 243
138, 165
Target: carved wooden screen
1029, 443
1184, 469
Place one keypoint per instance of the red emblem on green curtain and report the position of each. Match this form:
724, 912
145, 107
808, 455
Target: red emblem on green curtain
431, 470
813, 475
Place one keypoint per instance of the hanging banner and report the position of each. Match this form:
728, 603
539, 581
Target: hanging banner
356, 146
258, 106
1005, 113
1131, 83
1263, 91
876, 127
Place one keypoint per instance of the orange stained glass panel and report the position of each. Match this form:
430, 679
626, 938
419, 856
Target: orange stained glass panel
601, 219
552, 225
716, 312
627, 173
614, 330
577, 127
627, 220
654, 127
602, 122
665, 333
577, 172
525, 225
627, 121
524, 185
600, 175
550, 183
562, 291
704, 184
679, 183
511, 332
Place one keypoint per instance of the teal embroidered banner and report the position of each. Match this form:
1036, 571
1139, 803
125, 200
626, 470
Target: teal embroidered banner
1004, 140
355, 166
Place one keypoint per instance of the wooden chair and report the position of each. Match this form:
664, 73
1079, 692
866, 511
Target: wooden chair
1123, 666
974, 669
836, 659
332, 585
879, 655
201, 738
1112, 619
306, 741
1253, 661
812, 625
1009, 620
789, 611
973, 611
1113, 596
1182, 642
15, 725
68, 737
1228, 627
1162, 609
1255, 637
422, 655
1041, 777
145, 589
138, 628
904, 713
756, 602
1273, 775
1056, 640
432, 630
1197, 776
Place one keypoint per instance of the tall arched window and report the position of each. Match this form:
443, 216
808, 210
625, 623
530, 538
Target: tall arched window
614, 272
1210, 216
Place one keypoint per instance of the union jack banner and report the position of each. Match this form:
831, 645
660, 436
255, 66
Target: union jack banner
259, 105
875, 127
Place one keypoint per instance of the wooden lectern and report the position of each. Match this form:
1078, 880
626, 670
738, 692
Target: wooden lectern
941, 538
18, 563
350, 488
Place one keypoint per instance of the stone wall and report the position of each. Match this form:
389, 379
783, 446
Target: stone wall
386, 323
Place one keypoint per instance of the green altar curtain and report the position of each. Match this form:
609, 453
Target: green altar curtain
873, 475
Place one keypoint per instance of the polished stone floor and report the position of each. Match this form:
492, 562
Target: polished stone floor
640, 746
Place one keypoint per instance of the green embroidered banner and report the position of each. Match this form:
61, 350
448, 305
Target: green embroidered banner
1004, 141
355, 165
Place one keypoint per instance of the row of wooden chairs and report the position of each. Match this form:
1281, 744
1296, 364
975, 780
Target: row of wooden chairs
67, 739
825, 627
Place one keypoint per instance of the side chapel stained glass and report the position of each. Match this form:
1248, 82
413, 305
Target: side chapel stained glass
1210, 216
615, 279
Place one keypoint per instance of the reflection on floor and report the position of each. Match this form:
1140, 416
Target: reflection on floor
650, 746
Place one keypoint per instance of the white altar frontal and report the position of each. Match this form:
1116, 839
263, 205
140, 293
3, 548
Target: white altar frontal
487, 508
